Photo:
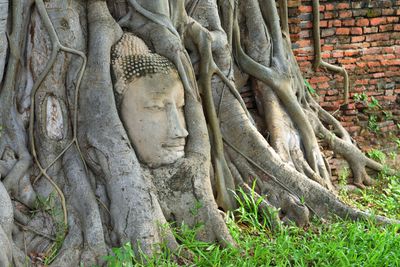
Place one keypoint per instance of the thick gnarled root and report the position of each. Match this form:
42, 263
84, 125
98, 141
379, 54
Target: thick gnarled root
358, 162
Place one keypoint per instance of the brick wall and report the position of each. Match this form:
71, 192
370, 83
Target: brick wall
364, 37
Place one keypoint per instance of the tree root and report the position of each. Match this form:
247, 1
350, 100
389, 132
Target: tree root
282, 88
318, 62
56, 47
14, 137
357, 160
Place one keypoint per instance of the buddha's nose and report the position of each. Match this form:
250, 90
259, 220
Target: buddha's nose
176, 123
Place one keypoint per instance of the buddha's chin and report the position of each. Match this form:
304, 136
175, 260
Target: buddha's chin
167, 157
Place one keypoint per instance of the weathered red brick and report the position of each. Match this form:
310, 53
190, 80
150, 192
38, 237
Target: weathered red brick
328, 15
361, 81
377, 37
305, 9
350, 53
323, 23
378, 21
342, 31
347, 61
331, 98
388, 11
337, 53
386, 28
325, 55
304, 34
345, 14
388, 50
329, 7
390, 98
357, 39
361, 64
370, 29
372, 51
330, 48
372, 64
349, 22
343, 6
319, 79
357, 31
390, 62
353, 129
332, 92
294, 3
304, 43
362, 22
392, 19
378, 75
306, 25
323, 86
335, 23
327, 32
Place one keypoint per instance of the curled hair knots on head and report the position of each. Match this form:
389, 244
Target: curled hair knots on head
131, 58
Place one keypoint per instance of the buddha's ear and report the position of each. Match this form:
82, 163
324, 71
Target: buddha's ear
120, 86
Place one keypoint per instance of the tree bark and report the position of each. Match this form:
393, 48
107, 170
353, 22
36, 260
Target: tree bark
65, 153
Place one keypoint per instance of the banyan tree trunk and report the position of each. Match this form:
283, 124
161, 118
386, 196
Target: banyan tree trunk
72, 185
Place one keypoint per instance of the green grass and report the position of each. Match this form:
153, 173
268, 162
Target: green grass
334, 243
383, 198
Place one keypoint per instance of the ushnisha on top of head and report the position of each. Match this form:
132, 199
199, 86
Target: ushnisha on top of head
131, 58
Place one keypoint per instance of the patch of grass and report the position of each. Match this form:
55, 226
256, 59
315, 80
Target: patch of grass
343, 176
336, 243
377, 155
383, 198
341, 243
250, 213
50, 206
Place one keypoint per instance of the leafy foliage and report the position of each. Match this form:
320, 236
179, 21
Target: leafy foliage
360, 97
122, 256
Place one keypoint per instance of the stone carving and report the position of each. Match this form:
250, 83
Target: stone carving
150, 98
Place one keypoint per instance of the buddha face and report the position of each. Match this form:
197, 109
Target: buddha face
152, 112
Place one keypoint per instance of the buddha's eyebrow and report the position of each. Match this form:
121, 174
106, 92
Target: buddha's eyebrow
157, 95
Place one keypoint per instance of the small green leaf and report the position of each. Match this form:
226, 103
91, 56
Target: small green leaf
311, 90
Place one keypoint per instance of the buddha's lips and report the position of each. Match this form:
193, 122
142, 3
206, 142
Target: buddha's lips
174, 145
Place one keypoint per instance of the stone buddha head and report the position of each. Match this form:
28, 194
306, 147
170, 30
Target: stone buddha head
150, 99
